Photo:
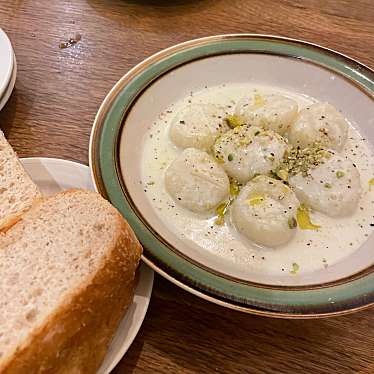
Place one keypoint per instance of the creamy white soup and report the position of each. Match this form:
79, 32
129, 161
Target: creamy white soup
265, 178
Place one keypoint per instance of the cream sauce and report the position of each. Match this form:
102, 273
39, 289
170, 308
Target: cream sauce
310, 250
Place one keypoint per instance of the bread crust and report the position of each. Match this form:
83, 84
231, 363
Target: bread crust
76, 337
8, 221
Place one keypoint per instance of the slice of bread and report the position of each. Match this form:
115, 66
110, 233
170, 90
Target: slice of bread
67, 276
17, 191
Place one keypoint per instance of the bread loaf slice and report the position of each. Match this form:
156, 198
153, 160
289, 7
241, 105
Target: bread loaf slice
67, 276
17, 191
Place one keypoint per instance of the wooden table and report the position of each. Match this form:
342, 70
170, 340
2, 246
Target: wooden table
50, 113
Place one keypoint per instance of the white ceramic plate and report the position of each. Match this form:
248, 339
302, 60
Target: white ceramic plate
8, 91
6, 61
53, 175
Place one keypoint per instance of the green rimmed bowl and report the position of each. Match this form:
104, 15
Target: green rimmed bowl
149, 88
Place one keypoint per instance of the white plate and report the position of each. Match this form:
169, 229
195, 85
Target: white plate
53, 175
9, 89
6, 61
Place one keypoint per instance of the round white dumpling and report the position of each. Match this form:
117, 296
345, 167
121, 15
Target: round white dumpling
249, 150
319, 123
265, 211
197, 126
333, 187
273, 112
196, 181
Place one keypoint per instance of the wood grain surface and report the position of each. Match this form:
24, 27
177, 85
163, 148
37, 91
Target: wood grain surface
51, 111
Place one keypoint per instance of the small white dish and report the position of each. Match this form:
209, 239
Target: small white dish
53, 175
6, 61
8, 91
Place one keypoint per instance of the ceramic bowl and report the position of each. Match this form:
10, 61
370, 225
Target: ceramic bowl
148, 89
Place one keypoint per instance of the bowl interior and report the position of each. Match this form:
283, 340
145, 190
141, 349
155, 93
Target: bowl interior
291, 74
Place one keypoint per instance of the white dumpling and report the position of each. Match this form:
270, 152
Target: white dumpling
197, 126
273, 112
249, 150
319, 123
333, 187
196, 181
265, 211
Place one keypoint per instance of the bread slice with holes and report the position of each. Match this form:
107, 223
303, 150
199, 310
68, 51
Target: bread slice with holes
17, 191
67, 277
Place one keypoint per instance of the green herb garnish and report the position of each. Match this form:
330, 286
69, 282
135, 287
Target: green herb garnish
292, 223
255, 200
301, 161
230, 157
327, 185
303, 219
340, 174
233, 121
222, 208
218, 158
295, 268
221, 211
282, 174
234, 188
258, 101
371, 183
